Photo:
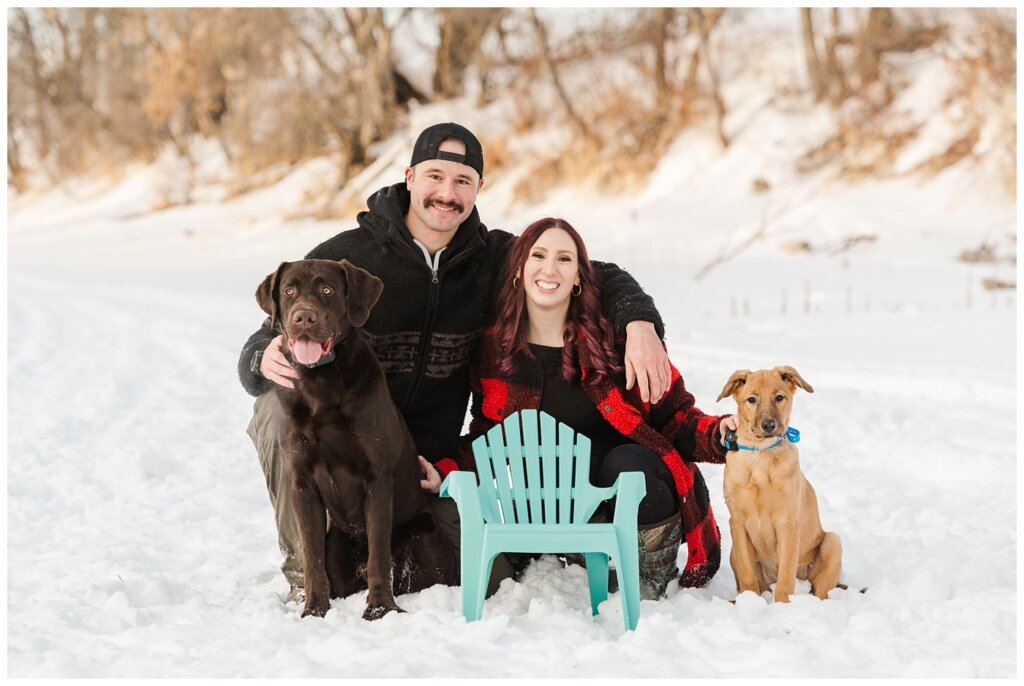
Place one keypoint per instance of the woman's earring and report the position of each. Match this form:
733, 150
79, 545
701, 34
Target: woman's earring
515, 283
579, 291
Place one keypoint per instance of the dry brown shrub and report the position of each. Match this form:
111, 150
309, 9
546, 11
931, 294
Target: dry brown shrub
632, 140
956, 151
984, 64
534, 185
240, 184
865, 144
627, 101
992, 284
93, 89
497, 156
870, 135
636, 137
345, 206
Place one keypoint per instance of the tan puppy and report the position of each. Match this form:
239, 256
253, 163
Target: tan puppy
773, 512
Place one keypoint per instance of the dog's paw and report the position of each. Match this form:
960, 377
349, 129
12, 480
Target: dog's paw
316, 608
374, 612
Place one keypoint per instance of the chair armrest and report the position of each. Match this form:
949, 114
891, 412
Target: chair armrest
462, 488
630, 488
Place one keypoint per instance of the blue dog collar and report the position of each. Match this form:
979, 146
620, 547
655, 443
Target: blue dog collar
792, 435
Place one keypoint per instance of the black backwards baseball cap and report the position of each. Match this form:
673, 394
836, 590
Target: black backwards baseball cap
429, 142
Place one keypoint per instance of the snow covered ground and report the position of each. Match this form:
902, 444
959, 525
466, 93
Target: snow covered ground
141, 540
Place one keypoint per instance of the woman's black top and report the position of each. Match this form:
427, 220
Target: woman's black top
568, 403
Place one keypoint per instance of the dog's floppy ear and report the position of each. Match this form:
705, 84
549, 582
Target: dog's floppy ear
266, 294
362, 289
791, 375
738, 378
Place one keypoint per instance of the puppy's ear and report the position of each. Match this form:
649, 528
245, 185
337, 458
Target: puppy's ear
267, 293
792, 376
362, 289
738, 378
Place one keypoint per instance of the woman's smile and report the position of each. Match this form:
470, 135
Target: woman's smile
551, 265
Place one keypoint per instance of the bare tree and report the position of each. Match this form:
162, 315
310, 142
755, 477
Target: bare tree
811, 55
348, 95
870, 41
57, 73
372, 58
90, 88
461, 36
545, 50
836, 84
659, 33
29, 71
704, 20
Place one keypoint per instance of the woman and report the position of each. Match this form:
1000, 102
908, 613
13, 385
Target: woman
552, 349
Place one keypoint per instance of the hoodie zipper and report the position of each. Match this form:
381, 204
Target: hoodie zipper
435, 296
432, 261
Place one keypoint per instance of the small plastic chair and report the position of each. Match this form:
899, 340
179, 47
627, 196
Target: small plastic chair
535, 496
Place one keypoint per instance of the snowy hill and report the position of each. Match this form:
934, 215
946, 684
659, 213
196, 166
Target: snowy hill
140, 535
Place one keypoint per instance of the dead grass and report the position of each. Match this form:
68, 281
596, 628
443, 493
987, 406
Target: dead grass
868, 137
631, 139
990, 284
957, 151
985, 66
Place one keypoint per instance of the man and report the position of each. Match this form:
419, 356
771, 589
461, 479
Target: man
423, 238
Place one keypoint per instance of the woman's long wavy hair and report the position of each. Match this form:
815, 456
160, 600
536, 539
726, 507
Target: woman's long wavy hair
586, 327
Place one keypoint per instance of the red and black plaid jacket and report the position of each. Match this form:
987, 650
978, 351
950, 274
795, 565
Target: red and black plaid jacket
674, 428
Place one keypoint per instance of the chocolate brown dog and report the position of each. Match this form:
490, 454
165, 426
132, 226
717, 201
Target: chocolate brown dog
349, 450
773, 512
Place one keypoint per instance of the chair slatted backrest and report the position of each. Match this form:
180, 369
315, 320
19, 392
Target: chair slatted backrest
535, 471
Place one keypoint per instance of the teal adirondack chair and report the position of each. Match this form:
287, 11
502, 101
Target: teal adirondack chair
535, 496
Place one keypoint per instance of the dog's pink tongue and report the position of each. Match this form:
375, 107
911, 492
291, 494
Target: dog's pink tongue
307, 351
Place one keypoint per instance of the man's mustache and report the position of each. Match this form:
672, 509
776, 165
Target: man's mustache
453, 205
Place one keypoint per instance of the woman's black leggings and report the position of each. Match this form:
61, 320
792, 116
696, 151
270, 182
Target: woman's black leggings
661, 500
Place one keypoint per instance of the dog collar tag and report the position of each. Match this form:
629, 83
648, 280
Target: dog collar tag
792, 435
730, 439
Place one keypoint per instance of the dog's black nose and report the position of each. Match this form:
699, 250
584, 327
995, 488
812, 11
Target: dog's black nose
304, 317
768, 426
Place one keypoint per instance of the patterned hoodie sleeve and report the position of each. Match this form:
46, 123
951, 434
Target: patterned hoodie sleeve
623, 300
694, 435
254, 383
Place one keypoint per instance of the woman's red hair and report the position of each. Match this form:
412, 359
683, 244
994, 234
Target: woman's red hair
586, 327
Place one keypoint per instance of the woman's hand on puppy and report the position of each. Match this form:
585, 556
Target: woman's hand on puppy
727, 423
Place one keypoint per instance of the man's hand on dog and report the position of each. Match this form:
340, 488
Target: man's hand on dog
432, 481
727, 423
646, 361
274, 365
